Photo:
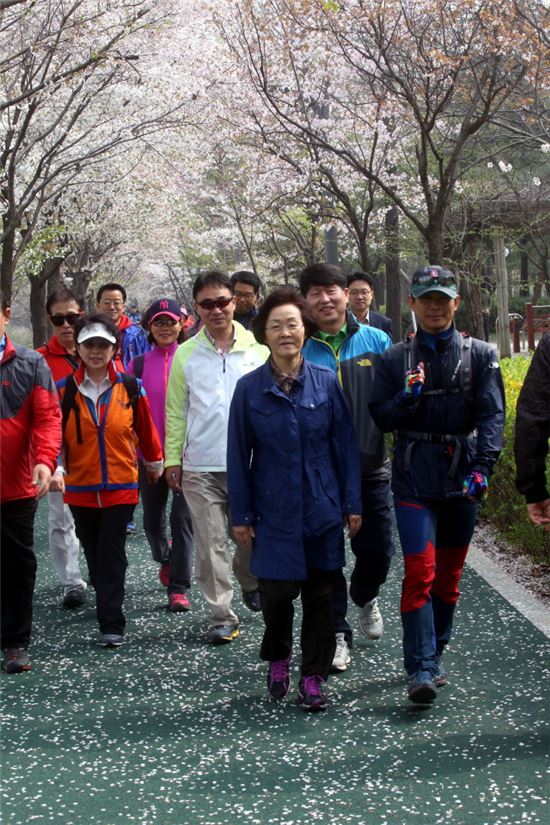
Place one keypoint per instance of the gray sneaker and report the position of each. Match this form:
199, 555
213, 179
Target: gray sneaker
370, 620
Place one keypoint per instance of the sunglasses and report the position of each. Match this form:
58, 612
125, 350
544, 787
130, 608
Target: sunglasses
210, 303
164, 322
59, 320
438, 279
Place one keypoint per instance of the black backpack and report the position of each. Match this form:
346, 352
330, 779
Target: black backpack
69, 401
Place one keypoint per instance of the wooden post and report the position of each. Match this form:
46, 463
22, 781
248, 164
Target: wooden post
530, 317
503, 332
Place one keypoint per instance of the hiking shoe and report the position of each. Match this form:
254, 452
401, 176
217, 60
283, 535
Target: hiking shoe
421, 688
342, 656
178, 603
16, 660
74, 597
251, 598
164, 574
440, 677
131, 528
111, 640
278, 678
310, 693
370, 620
221, 634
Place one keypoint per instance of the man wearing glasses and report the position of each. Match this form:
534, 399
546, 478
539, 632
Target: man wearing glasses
246, 289
360, 297
63, 311
111, 301
202, 380
441, 394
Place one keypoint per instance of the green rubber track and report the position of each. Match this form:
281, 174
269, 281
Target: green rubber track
169, 730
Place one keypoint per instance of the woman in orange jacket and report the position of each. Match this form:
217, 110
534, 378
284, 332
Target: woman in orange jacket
105, 416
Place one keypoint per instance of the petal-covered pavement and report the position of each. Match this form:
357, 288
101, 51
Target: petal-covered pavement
170, 730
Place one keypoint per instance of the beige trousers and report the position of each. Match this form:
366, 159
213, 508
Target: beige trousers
206, 496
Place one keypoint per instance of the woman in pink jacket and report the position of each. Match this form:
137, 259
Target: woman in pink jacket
163, 322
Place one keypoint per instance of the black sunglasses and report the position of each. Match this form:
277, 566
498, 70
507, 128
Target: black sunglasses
210, 303
59, 320
164, 322
439, 279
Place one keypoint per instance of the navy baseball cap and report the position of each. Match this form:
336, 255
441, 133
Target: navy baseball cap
434, 279
164, 306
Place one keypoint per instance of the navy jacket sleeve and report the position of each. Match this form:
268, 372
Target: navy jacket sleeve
533, 426
387, 405
346, 450
239, 453
489, 408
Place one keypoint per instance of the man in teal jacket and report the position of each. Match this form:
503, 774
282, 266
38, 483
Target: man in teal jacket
351, 350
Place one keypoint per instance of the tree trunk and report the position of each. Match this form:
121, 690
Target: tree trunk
393, 283
503, 330
80, 283
39, 284
523, 269
6, 266
38, 315
434, 242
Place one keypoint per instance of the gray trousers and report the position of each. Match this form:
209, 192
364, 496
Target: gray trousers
206, 496
64, 545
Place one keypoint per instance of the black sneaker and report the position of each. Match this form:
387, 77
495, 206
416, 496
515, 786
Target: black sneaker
16, 660
310, 693
74, 597
421, 688
251, 598
278, 678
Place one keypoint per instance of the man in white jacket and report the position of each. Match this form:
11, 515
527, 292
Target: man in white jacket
202, 380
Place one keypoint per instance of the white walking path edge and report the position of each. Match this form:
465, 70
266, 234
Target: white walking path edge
518, 595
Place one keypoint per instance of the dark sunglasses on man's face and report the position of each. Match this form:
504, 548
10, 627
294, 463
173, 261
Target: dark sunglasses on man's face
437, 279
59, 320
218, 303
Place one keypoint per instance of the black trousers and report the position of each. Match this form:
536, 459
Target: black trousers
317, 634
18, 571
102, 534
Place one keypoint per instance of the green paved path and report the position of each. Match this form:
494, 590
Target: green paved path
172, 731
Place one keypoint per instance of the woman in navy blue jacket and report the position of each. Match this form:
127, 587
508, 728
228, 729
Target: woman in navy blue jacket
293, 480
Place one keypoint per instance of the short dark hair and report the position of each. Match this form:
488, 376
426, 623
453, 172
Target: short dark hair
244, 276
4, 301
60, 295
360, 276
211, 278
277, 298
110, 288
97, 318
321, 275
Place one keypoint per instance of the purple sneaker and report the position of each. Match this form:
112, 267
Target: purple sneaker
278, 678
310, 693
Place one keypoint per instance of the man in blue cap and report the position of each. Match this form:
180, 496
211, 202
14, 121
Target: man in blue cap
441, 393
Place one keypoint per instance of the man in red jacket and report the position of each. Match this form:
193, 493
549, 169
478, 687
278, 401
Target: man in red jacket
63, 312
30, 432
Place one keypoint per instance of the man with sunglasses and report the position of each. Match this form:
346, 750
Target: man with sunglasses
202, 380
441, 394
63, 311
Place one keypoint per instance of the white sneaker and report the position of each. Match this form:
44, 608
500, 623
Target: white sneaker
370, 620
342, 656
